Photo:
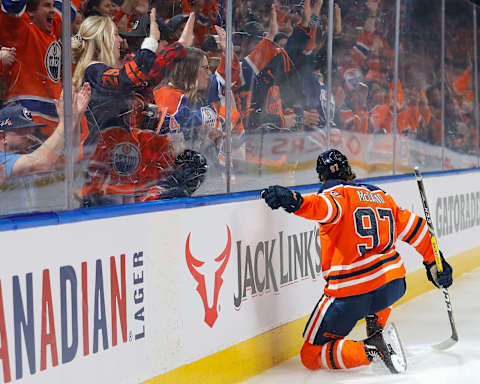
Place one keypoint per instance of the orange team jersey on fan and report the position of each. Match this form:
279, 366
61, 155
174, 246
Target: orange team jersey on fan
255, 85
362, 47
381, 117
409, 119
237, 137
354, 118
128, 163
462, 84
359, 225
57, 18
180, 117
237, 127
204, 19
34, 80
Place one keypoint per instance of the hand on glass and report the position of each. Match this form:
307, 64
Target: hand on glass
80, 100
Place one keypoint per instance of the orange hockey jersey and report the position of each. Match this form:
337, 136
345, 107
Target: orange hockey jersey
34, 80
359, 224
263, 84
204, 19
127, 163
187, 124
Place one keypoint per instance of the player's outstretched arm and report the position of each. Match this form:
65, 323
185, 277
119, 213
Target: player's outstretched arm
277, 196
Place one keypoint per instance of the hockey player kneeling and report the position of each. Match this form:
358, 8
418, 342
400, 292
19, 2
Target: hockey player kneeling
364, 273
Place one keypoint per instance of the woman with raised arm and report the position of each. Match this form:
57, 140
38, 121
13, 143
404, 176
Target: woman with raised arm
124, 159
96, 52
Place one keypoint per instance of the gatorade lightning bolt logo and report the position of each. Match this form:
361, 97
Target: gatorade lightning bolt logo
208, 275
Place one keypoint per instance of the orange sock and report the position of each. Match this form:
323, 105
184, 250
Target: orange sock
338, 354
383, 316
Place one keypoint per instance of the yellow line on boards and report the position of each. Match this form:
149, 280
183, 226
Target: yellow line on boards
253, 356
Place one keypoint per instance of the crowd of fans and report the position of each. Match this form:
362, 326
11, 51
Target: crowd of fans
156, 69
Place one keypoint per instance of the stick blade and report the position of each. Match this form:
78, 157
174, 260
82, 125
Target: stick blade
450, 342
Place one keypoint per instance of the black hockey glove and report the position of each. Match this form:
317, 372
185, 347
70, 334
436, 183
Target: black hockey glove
190, 170
276, 196
439, 279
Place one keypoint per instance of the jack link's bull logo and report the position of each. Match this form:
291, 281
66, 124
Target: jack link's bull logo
208, 275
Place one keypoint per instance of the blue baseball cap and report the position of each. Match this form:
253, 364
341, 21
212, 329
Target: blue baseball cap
16, 116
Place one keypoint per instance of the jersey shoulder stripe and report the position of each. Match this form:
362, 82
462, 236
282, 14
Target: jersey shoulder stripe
337, 211
421, 236
330, 208
407, 227
415, 230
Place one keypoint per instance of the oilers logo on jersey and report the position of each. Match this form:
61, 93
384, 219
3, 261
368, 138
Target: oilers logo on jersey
125, 158
352, 77
209, 117
53, 58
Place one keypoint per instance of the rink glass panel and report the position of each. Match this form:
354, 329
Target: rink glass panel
281, 144
32, 81
361, 103
461, 136
363, 87
420, 73
287, 155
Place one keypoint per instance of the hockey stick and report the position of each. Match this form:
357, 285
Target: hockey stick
454, 338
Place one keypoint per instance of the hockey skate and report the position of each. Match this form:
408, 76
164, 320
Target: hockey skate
372, 325
386, 345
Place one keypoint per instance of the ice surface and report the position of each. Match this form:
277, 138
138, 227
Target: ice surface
421, 323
